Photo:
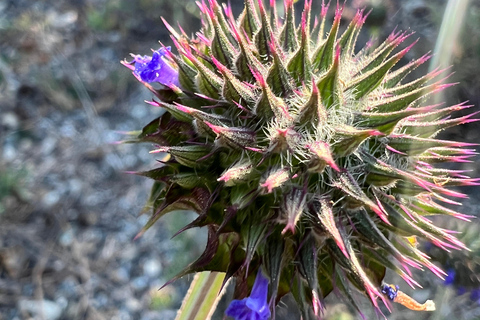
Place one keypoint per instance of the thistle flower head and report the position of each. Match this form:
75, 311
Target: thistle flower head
302, 156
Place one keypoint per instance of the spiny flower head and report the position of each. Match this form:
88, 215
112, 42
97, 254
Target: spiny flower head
301, 155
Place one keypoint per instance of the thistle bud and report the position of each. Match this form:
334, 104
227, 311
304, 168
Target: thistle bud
312, 164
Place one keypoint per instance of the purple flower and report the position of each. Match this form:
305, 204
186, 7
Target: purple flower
156, 68
390, 291
450, 278
475, 295
255, 306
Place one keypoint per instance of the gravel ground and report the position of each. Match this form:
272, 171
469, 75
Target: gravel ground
68, 212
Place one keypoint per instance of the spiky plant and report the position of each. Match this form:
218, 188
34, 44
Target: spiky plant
301, 155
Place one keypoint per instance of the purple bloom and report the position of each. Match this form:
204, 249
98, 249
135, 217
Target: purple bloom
450, 278
255, 306
156, 68
475, 295
389, 291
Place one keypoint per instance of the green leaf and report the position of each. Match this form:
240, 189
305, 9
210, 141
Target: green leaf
247, 59
414, 146
350, 186
349, 37
288, 37
202, 297
206, 80
264, 36
325, 272
159, 174
348, 139
233, 89
253, 236
427, 208
189, 156
369, 81
402, 101
379, 55
386, 122
329, 87
175, 199
249, 19
323, 58
307, 266
186, 72
369, 229
395, 77
344, 287
274, 252
299, 66
269, 105
429, 129
327, 220
278, 77
313, 113
412, 85
298, 290
221, 47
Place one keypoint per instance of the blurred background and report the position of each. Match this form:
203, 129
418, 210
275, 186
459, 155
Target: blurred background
68, 210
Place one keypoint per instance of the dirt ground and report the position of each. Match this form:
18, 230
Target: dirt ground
68, 210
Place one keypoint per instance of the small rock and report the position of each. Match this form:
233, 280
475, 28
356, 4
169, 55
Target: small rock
120, 275
26, 144
140, 283
61, 20
152, 268
9, 152
87, 219
68, 288
75, 187
10, 120
51, 198
164, 315
66, 239
133, 305
13, 260
48, 145
100, 301
46, 309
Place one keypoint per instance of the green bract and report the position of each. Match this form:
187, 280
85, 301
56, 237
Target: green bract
302, 155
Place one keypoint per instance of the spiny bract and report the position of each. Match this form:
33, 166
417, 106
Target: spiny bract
301, 155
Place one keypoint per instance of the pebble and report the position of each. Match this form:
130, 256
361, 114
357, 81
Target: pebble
86, 219
10, 120
152, 268
133, 305
140, 283
62, 20
38, 308
101, 300
68, 288
51, 198
9, 152
121, 275
75, 187
154, 315
48, 145
66, 238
